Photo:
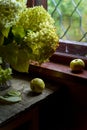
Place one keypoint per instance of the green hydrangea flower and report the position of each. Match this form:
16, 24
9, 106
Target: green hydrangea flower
41, 36
32, 36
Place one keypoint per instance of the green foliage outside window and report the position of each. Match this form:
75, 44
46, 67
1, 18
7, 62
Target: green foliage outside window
70, 18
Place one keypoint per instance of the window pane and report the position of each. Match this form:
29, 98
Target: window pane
70, 18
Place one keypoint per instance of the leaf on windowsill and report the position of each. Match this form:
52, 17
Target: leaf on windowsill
12, 96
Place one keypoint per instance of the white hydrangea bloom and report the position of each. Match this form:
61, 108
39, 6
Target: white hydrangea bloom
10, 11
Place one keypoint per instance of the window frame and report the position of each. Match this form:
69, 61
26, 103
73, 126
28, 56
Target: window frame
60, 55
31, 3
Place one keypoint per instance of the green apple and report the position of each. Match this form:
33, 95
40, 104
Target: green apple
77, 65
37, 85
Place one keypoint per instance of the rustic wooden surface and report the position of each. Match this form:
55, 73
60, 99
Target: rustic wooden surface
22, 83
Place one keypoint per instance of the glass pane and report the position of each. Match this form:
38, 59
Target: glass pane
70, 18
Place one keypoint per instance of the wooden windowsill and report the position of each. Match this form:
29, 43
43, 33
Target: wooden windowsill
58, 66
56, 71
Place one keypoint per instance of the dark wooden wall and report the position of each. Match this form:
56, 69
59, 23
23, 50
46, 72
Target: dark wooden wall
31, 3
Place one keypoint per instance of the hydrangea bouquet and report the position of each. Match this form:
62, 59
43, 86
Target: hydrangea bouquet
26, 34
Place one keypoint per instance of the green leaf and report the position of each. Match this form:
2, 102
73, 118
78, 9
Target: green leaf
5, 32
0, 60
12, 96
9, 53
1, 39
10, 99
22, 63
14, 93
18, 32
18, 58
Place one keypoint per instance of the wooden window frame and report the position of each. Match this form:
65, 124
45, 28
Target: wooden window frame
31, 3
76, 50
